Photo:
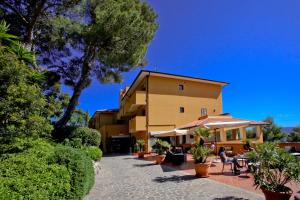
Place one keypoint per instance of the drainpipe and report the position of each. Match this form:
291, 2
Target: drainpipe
147, 110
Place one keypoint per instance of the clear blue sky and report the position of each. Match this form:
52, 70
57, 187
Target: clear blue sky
254, 45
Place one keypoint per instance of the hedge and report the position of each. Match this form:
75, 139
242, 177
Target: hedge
29, 175
40, 169
80, 167
88, 136
93, 152
78, 137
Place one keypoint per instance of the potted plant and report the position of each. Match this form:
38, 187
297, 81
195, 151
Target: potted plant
201, 133
135, 149
247, 146
200, 154
160, 147
272, 168
140, 144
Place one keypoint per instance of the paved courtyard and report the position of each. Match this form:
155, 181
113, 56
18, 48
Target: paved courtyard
126, 177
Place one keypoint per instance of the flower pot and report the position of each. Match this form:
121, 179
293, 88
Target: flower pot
141, 154
202, 169
159, 159
197, 139
269, 195
135, 154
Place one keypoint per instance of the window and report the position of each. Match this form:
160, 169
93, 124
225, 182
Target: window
181, 87
229, 135
184, 139
203, 112
181, 109
233, 134
251, 132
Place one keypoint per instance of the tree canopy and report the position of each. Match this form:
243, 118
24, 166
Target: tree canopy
272, 132
294, 136
23, 108
79, 40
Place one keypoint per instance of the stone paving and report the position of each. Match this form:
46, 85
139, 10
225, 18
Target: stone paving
126, 177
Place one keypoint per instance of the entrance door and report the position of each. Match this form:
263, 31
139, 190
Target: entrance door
120, 144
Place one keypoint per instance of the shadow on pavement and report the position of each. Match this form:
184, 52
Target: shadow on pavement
230, 198
174, 178
116, 154
144, 165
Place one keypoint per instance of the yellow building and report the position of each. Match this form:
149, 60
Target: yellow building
157, 102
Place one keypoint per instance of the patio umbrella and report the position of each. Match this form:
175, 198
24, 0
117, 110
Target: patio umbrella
218, 125
170, 133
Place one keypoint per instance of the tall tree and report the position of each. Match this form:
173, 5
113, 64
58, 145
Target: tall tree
79, 118
80, 40
23, 108
294, 136
272, 132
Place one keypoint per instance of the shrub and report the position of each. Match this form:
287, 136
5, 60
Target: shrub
29, 175
160, 146
93, 152
140, 144
89, 137
275, 167
39, 169
200, 153
84, 135
80, 168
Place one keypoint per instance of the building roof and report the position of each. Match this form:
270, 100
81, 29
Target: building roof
219, 121
105, 111
145, 73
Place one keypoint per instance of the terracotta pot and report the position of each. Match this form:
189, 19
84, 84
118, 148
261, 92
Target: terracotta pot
141, 154
160, 159
269, 195
135, 154
197, 139
202, 169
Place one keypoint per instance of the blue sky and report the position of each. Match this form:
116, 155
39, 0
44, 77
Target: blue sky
254, 45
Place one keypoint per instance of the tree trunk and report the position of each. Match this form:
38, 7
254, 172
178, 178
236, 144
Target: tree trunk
79, 87
28, 40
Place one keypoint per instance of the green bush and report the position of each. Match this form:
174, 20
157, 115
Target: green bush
84, 135
39, 169
93, 152
30, 175
89, 137
80, 168
275, 168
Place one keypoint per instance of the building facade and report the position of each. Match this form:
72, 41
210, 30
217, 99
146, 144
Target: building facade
157, 102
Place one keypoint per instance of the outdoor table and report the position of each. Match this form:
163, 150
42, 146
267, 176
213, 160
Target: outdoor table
242, 158
295, 154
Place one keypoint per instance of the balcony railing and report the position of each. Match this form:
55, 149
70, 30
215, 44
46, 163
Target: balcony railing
138, 123
131, 104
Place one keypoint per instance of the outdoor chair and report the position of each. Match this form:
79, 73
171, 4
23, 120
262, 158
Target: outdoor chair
226, 163
229, 151
176, 157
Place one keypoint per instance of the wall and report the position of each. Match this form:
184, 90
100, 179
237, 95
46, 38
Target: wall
110, 130
290, 144
165, 99
142, 135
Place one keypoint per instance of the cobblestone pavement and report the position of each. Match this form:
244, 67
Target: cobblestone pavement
126, 177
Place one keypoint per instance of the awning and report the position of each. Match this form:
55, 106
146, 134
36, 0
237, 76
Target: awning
171, 133
214, 122
214, 125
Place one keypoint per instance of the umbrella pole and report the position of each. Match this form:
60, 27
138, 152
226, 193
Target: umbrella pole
216, 145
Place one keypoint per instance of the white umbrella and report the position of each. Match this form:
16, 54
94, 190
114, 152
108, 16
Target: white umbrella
214, 125
170, 133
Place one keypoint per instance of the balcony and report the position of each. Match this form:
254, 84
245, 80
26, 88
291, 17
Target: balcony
136, 100
138, 123
130, 105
